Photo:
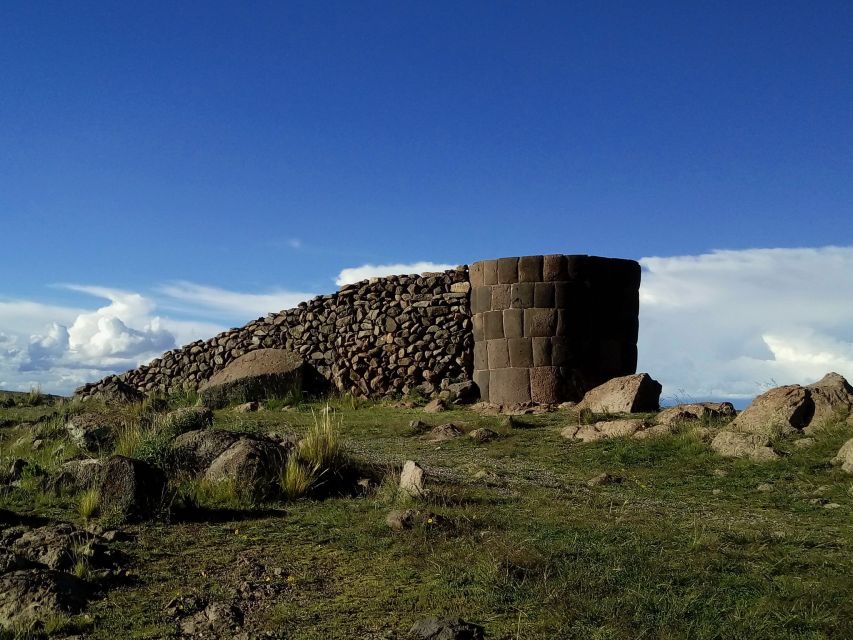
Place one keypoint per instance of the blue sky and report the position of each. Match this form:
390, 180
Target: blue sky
191, 155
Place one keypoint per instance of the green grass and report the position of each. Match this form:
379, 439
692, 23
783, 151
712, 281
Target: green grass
685, 547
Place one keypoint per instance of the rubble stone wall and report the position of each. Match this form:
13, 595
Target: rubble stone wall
547, 328
379, 337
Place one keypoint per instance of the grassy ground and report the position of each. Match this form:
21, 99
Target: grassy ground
687, 546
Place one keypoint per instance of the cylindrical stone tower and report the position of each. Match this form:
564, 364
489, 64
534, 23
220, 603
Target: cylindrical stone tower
548, 328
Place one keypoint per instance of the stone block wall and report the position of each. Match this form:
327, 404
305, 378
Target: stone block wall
547, 328
378, 337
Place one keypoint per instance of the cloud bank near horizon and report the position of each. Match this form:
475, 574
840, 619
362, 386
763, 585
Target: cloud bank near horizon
724, 324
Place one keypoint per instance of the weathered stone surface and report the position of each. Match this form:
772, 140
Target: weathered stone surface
507, 270
513, 323
483, 435
481, 379
540, 323
39, 593
626, 394
520, 352
530, 269
257, 375
832, 396
501, 297
554, 267
696, 411
780, 410
436, 405
603, 430
92, 431
498, 351
446, 629
252, 464
510, 386
545, 385
195, 451
444, 432
129, 489
844, 457
413, 479
79, 474
755, 446
187, 419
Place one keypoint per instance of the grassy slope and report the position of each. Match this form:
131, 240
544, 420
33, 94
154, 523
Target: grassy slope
533, 554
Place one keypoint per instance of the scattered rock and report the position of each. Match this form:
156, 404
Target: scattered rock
91, 431
731, 444
696, 411
446, 629
401, 520
435, 406
445, 432
463, 392
603, 430
720, 473
37, 594
803, 443
412, 479
483, 435
626, 394
129, 489
255, 376
567, 406
419, 427
214, 618
831, 505
604, 479
716, 492
251, 464
844, 457
764, 487
187, 419
247, 407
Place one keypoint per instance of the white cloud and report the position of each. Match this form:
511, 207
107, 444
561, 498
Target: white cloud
365, 271
198, 298
730, 323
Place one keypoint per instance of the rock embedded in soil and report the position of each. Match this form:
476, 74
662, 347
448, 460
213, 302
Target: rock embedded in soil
130, 489
437, 628
413, 479
732, 444
444, 432
91, 431
844, 457
483, 435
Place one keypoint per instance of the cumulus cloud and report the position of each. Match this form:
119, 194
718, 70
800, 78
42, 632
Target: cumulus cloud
365, 271
730, 323
204, 299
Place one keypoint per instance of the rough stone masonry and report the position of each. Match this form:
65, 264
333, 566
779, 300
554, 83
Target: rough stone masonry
553, 326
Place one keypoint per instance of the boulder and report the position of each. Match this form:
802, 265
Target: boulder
604, 479
444, 432
832, 396
780, 410
412, 479
79, 474
436, 405
129, 489
464, 392
36, 594
247, 407
627, 394
844, 458
195, 451
255, 376
401, 520
696, 411
91, 431
755, 446
187, 419
446, 629
252, 464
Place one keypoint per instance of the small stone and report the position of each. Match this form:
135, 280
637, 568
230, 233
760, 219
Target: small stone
446, 629
831, 505
435, 406
247, 407
401, 520
445, 432
803, 443
603, 479
720, 473
483, 435
717, 492
764, 487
